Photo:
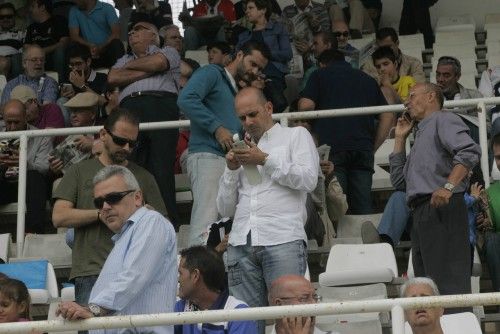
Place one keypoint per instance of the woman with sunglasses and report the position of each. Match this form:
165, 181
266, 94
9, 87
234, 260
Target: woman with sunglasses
275, 36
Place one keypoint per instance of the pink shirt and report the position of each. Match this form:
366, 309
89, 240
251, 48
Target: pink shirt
50, 117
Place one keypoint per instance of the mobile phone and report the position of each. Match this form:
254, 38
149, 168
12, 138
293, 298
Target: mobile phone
237, 143
406, 115
66, 87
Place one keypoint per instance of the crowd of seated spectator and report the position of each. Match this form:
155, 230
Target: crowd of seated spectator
245, 82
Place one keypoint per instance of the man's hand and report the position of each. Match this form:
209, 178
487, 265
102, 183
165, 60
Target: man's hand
76, 79
301, 46
298, 325
440, 197
73, 311
231, 161
385, 80
251, 155
326, 167
224, 137
475, 190
222, 246
84, 143
10, 160
55, 165
68, 92
403, 128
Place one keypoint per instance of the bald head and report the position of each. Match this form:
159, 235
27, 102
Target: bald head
14, 115
290, 289
254, 111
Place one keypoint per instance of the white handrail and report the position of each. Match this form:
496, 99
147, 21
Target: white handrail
284, 118
258, 313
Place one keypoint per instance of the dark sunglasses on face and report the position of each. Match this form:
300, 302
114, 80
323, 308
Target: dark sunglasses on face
111, 198
120, 141
341, 33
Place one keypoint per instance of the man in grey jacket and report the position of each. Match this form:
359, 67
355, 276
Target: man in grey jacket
435, 175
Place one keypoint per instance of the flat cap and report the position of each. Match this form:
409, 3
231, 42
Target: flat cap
23, 93
83, 100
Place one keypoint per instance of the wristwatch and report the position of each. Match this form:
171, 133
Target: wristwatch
96, 310
449, 186
83, 87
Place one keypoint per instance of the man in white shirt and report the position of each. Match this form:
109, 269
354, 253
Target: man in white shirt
267, 239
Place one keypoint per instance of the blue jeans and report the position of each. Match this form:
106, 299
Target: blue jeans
395, 218
492, 252
252, 269
204, 170
83, 287
354, 170
193, 39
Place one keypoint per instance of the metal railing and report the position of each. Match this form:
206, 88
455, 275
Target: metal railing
395, 306
283, 118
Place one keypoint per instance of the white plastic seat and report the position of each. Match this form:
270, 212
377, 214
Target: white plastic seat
350, 225
411, 41
68, 294
5, 242
354, 327
493, 60
456, 23
53, 75
458, 323
183, 192
492, 21
52, 247
457, 51
381, 180
466, 37
42, 296
359, 264
201, 56
183, 237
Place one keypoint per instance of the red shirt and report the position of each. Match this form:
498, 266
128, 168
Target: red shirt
224, 7
50, 117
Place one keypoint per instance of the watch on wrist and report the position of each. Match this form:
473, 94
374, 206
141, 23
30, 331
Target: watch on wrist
96, 310
83, 87
449, 186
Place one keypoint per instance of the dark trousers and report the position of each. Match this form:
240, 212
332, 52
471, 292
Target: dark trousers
415, 17
109, 55
36, 199
155, 149
440, 246
354, 170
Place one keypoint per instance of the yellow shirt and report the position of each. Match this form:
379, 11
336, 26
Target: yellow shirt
403, 85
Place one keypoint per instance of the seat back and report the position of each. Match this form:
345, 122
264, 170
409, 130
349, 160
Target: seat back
458, 323
52, 247
350, 225
359, 264
5, 242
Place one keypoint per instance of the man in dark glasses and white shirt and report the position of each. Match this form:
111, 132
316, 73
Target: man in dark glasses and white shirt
74, 206
139, 275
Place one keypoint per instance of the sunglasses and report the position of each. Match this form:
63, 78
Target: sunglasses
120, 141
111, 198
341, 33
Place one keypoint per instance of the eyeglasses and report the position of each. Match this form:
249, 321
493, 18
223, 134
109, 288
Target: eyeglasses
36, 59
6, 17
30, 101
111, 198
305, 298
120, 141
137, 28
341, 33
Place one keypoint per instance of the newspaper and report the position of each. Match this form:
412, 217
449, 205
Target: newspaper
67, 152
358, 56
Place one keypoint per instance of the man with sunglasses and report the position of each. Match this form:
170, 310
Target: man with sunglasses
149, 81
342, 34
139, 275
11, 40
74, 205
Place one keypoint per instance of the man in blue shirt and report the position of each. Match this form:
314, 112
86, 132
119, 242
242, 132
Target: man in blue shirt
95, 24
201, 287
139, 274
208, 101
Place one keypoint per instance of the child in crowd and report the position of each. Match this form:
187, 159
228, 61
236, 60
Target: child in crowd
395, 87
14, 301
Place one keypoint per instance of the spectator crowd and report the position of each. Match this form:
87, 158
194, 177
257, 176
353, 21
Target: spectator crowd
115, 191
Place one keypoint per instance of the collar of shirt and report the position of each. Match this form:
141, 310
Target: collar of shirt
231, 79
151, 49
307, 9
92, 76
136, 216
422, 123
275, 129
98, 5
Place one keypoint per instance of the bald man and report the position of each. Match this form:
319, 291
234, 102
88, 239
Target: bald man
435, 175
267, 239
293, 290
341, 32
14, 116
148, 79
